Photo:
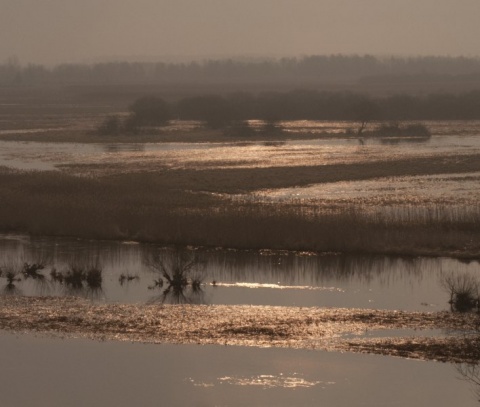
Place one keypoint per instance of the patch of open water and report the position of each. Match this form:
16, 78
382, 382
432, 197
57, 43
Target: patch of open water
39, 371
44, 371
449, 137
236, 277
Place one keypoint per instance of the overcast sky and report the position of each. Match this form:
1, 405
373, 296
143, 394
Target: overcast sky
53, 31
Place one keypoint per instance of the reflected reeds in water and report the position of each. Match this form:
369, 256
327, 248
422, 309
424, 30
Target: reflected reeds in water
470, 372
11, 271
181, 271
127, 278
463, 289
395, 141
11, 290
364, 281
180, 295
123, 147
80, 280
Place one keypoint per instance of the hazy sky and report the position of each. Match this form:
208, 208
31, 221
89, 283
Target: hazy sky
52, 31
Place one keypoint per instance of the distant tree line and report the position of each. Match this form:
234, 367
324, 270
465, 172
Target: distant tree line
317, 68
221, 111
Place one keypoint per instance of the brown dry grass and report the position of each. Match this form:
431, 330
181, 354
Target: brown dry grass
170, 208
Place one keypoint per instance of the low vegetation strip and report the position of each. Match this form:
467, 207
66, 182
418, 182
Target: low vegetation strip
313, 328
252, 179
171, 208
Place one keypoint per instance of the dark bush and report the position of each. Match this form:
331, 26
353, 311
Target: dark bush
214, 110
150, 111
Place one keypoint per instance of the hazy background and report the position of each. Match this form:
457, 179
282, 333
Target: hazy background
55, 31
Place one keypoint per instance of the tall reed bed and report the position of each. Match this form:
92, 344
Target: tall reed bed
134, 207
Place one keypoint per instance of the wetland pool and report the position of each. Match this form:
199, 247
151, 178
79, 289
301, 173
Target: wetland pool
233, 277
449, 137
41, 371
44, 370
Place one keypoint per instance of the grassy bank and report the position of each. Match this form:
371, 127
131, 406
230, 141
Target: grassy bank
147, 208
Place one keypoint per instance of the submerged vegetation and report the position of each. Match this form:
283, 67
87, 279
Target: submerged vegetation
79, 276
77, 279
182, 271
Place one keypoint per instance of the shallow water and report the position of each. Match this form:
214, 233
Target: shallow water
265, 278
454, 137
41, 371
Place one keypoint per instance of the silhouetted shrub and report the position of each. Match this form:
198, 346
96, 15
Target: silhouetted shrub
150, 111
397, 130
179, 270
214, 110
463, 289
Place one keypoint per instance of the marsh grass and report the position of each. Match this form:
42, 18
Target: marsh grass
151, 208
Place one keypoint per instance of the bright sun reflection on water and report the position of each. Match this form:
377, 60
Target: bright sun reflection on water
278, 286
266, 381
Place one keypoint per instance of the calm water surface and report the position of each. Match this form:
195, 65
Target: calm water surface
459, 137
42, 371
45, 372
258, 278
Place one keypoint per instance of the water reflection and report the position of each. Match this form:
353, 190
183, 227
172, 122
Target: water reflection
124, 375
394, 141
179, 295
10, 288
127, 278
27, 277
471, 373
463, 290
242, 277
183, 273
123, 147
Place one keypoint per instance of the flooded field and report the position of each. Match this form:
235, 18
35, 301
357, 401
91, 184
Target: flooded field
276, 297
133, 157
243, 277
449, 140
58, 370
